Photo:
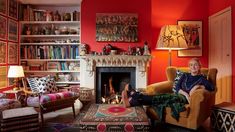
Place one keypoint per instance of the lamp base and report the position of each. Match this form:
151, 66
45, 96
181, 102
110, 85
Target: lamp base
16, 89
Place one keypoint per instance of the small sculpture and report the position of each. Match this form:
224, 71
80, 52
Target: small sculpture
83, 49
146, 49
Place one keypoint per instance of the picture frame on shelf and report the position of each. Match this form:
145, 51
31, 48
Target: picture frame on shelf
3, 27
13, 53
3, 52
13, 9
3, 77
193, 35
12, 30
3, 7
116, 27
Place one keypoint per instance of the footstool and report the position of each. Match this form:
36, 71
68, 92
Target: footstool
223, 117
20, 119
111, 117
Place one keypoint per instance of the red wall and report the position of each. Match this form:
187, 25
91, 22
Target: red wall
215, 6
88, 17
168, 12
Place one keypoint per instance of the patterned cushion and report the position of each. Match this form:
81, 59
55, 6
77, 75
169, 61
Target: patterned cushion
33, 84
42, 84
177, 78
34, 101
56, 96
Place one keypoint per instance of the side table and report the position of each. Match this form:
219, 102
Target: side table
17, 93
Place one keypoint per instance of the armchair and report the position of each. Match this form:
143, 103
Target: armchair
197, 111
48, 102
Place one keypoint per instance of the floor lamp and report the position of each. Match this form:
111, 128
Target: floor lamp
16, 72
171, 37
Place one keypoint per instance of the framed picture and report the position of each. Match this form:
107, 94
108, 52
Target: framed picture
193, 35
111, 27
3, 7
3, 52
12, 53
12, 30
3, 28
3, 77
13, 9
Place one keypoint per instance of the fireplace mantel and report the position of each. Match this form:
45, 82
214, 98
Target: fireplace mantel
89, 63
116, 61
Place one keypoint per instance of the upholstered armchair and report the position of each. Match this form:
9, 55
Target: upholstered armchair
47, 101
197, 111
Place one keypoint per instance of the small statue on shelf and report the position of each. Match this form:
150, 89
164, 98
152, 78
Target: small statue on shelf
146, 48
83, 49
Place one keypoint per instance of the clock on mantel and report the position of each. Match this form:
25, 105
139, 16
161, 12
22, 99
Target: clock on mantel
51, 2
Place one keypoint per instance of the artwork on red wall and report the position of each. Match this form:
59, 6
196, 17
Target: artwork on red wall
193, 35
12, 53
3, 52
12, 30
3, 77
3, 7
113, 27
13, 9
3, 27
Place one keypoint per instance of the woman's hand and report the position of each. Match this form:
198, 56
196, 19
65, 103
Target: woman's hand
195, 88
185, 94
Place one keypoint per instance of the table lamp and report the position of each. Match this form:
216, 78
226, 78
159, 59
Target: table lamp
16, 72
170, 38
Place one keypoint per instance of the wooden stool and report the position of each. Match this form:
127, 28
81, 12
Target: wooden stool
20, 119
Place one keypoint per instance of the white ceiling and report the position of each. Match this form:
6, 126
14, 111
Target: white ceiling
51, 2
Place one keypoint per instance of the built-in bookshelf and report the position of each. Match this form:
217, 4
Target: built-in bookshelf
50, 40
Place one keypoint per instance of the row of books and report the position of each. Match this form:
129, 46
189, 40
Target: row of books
49, 52
51, 66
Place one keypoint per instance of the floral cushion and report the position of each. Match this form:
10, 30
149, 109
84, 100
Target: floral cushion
9, 104
34, 101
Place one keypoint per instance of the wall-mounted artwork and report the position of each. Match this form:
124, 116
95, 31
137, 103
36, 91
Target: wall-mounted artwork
12, 30
13, 9
3, 76
3, 28
3, 7
3, 52
193, 35
111, 27
12, 53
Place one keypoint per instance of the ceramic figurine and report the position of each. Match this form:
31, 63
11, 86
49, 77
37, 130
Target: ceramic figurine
146, 49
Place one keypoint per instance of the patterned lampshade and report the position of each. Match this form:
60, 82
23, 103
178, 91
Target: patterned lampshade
171, 37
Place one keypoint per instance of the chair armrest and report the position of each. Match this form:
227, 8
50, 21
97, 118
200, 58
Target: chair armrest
161, 87
201, 101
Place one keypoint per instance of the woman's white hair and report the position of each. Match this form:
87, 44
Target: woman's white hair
197, 60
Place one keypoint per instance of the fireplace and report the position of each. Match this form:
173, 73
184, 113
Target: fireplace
126, 68
110, 81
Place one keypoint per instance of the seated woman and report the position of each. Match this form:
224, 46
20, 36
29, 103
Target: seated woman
187, 84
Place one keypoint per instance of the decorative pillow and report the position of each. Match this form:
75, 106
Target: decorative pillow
177, 78
46, 85
33, 84
42, 84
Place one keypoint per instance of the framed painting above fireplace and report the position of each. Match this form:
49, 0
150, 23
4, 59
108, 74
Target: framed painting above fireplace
114, 27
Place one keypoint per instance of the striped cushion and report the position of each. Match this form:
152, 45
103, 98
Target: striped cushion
33, 84
56, 96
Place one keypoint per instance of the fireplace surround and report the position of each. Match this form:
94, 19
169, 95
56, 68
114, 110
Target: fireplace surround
90, 66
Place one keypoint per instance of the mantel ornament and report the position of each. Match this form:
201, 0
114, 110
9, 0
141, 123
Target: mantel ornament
117, 61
